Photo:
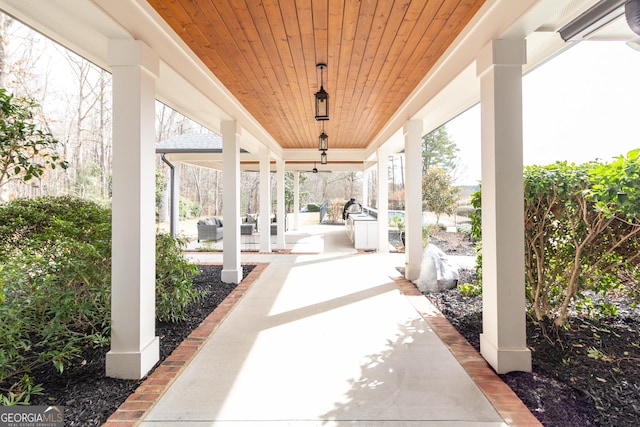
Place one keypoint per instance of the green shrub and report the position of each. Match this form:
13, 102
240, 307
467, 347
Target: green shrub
464, 229
581, 233
470, 289
174, 276
313, 207
476, 215
55, 277
188, 209
56, 274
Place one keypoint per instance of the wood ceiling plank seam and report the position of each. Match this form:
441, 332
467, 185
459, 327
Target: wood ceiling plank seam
389, 70
389, 33
444, 35
223, 22
361, 38
393, 22
349, 26
291, 112
414, 70
294, 33
214, 40
413, 54
382, 12
199, 40
320, 13
329, 43
369, 57
266, 39
275, 19
192, 36
275, 120
305, 13
446, 26
171, 10
335, 13
292, 42
461, 15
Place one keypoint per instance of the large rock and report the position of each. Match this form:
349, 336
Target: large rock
437, 272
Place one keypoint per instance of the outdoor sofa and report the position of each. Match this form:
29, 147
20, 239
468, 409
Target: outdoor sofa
210, 229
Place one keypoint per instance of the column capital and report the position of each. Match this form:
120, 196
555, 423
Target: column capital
501, 52
230, 127
411, 126
127, 53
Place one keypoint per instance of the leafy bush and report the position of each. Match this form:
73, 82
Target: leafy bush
55, 274
54, 253
396, 222
476, 215
188, 209
470, 289
174, 275
25, 150
313, 207
439, 195
581, 233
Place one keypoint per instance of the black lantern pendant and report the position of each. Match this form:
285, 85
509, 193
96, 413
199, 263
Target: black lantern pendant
322, 98
323, 157
323, 140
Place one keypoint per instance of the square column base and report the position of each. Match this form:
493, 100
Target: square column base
507, 359
231, 276
133, 365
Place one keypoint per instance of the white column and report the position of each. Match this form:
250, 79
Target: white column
265, 200
413, 198
365, 187
134, 346
280, 208
383, 199
503, 340
231, 267
296, 199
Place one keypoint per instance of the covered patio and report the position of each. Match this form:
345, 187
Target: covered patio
332, 337
395, 70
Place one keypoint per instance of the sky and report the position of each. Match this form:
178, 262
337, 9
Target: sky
582, 105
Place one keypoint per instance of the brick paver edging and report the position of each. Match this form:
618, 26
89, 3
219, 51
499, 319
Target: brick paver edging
139, 403
503, 399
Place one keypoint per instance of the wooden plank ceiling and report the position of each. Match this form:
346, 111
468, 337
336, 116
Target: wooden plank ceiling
265, 52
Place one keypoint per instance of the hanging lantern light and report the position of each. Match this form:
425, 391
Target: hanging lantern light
323, 140
323, 157
322, 98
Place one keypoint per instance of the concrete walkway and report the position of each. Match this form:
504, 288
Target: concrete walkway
330, 339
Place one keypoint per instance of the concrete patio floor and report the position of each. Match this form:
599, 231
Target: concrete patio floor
334, 338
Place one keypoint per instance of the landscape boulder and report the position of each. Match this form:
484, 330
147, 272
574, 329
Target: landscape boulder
437, 272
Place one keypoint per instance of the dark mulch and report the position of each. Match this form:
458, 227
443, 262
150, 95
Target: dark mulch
587, 374
89, 397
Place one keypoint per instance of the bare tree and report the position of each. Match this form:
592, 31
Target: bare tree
5, 24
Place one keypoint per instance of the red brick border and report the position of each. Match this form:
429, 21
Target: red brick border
139, 403
503, 399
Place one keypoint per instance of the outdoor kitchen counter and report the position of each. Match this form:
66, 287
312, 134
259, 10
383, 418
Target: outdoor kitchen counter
362, 230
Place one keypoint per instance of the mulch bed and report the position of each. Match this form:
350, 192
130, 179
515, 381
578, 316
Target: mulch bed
584, 374
89, 397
